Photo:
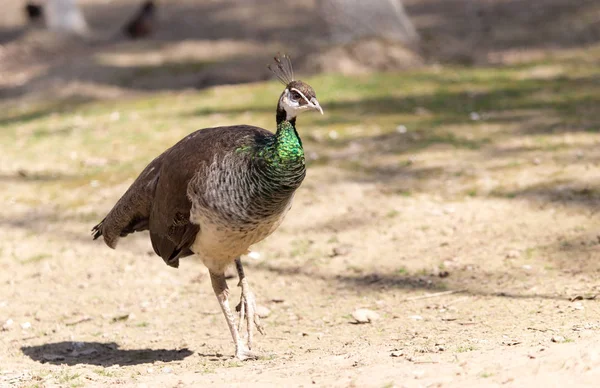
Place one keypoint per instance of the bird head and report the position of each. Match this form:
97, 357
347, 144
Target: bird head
298, 96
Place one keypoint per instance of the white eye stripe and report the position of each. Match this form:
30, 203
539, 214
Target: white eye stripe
303, 96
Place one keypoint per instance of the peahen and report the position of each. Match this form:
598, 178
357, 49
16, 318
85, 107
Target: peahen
218, 191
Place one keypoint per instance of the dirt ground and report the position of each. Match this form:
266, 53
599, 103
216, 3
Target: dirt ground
473, 233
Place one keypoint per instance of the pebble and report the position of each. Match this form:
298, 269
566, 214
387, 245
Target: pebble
166, 369
365, 316
25, 325
416, 317
578, 306
341, 250
558, 339
513, 254
7, 324
397, 353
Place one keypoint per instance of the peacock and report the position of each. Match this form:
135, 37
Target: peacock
218, 191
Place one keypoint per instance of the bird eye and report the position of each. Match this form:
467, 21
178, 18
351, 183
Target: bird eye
295, 95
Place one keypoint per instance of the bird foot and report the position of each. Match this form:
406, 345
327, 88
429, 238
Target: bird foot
247, 310
243, 354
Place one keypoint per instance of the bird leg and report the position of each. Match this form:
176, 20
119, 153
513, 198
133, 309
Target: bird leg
222, 292
247, 305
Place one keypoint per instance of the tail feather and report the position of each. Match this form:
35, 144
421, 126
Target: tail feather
97, 230
131, 213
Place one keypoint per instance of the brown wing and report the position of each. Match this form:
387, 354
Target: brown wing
157, 200
171, 231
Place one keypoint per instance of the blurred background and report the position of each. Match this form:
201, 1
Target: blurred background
458, 153
195, 44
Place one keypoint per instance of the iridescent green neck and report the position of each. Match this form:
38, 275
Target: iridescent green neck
286, 146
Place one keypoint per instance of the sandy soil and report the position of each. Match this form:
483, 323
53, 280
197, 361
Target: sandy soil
483, 290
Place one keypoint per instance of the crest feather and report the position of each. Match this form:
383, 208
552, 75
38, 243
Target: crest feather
282, 68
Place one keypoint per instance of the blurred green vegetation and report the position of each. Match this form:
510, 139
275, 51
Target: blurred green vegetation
374, 127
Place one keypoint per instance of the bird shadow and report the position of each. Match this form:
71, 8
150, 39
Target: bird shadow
99, 353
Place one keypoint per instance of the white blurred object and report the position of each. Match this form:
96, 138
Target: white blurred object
254, 255
65, 16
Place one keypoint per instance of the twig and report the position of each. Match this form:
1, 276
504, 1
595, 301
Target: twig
434, 295
80, 320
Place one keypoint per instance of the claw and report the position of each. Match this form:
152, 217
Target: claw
259, 327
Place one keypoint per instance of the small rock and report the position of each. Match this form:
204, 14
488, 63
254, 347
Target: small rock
7, 324
365, 316
333, 135
397, 353
401, 129
341, 250
416, 317
25, 325
537, 161
578, 306
166, 369
558, 339
150, 370
262, 311
513, 254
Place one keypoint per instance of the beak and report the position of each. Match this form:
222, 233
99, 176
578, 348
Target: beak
315, 104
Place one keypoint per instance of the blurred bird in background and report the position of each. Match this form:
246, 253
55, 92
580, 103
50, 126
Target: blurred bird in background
143, 23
